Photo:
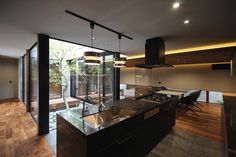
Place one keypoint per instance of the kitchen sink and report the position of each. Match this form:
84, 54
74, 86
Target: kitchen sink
77, 112
109, 116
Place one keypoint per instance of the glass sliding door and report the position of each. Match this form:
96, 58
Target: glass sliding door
25, 78
22, 79
70, 79
34, 82
98, 79
107, 79
55, 90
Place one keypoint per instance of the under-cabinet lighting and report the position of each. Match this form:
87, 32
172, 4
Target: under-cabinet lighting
198, 48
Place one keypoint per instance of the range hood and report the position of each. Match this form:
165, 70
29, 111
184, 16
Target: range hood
154, 54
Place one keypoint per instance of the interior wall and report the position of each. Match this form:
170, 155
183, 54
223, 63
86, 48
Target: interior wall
183, 77
234, 66
8, 78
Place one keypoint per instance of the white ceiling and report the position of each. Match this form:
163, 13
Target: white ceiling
211, 22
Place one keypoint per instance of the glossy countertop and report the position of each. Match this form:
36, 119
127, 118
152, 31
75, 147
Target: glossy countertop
125, 107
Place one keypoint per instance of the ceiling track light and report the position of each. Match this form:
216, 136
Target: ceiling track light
97, 24
92, 62
120, 59
186, 21
176, 5
91, 57
116, 65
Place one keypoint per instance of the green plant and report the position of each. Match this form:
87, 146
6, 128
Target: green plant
59, 53
64, 63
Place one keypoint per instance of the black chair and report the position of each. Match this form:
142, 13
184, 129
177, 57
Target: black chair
188, 101
163, 88
196, 95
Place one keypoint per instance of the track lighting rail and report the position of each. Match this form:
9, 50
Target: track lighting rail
95, 23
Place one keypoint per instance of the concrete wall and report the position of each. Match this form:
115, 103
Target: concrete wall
183, 77
8, 72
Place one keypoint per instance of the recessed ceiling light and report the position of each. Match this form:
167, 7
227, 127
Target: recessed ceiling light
94, 38
176, 5
186, 22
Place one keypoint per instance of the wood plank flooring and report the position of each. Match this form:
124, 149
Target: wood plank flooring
18, 133
208, 123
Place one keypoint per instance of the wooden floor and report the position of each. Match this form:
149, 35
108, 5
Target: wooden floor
208, 123
18, 133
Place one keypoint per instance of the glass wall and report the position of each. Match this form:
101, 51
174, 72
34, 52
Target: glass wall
202, 96
34, 82
22, 79
99, 79
25, 78
108, 77
143, 81
70, 80
54, 88
215, 97
88, 82
142, 84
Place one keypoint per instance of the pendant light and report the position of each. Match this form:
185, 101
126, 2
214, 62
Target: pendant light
91, 57
120, 59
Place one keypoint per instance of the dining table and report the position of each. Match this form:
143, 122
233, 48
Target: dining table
173, 92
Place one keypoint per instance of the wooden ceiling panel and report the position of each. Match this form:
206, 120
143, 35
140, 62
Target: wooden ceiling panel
204, 56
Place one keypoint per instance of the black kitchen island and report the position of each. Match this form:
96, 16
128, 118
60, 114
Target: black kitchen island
129, 128
230, 125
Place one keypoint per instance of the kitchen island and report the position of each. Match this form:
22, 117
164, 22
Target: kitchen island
129, 128
229, 114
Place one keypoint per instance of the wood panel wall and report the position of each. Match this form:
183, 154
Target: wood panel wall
203, 56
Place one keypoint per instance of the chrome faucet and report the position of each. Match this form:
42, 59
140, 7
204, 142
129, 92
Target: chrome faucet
87, 99
101, 106
84, 109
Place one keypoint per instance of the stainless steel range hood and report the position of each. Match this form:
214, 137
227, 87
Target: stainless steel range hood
154, 54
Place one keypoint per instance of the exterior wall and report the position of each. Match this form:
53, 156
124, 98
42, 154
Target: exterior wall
183, 77
8, 72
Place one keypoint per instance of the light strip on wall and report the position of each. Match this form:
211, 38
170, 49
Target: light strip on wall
199, 48
187, 65
200, 64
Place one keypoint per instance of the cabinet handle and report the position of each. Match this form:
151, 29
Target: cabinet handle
167, 109
124, 140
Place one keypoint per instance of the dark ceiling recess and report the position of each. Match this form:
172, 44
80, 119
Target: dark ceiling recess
203, 56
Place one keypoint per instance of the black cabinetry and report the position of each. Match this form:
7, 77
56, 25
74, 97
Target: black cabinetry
132, 137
